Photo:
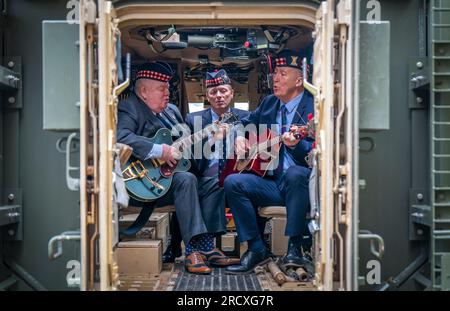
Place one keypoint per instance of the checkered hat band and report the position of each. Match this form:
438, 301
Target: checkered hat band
281, 61
148, 74
214, 82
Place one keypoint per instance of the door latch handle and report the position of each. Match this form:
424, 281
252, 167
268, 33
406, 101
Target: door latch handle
367, 235
72, 183
58, 239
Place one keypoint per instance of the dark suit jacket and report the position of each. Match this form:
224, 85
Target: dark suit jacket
200, 166
266, 114
137, 123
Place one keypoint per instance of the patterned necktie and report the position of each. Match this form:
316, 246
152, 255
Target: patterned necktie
284, 124
279, 170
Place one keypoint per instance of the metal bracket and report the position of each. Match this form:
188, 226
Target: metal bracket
11, 214
419, 214
90, 11
344, 12
419, 84
11, 81
367, 235
58, 239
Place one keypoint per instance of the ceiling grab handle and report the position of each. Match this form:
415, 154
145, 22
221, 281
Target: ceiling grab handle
121, 87
311, 88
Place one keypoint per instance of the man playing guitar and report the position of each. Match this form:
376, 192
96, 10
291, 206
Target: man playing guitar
288, 183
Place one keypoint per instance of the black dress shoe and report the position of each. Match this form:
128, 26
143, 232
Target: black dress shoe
171, 253
250, 259
294, 257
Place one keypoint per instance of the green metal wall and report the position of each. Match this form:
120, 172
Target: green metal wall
49, 208
398, 163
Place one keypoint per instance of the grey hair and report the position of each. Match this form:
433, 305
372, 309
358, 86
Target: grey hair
138, 86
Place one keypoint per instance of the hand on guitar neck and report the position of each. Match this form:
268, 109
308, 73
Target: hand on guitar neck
295, 135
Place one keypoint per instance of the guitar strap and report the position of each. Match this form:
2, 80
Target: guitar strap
140, 221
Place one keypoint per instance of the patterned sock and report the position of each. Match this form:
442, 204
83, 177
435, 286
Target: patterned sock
191, 247
205, 242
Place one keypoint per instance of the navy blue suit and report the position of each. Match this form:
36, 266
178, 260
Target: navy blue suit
211, 196
200, 166
246, 192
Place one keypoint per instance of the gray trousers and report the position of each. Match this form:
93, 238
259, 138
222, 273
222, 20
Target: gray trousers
212, 202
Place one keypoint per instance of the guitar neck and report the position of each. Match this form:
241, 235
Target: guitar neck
273, 141
197, 137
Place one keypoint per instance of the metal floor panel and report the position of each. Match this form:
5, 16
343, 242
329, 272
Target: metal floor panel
216, 281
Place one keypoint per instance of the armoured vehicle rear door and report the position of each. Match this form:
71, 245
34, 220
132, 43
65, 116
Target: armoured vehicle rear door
99, 81
335, 242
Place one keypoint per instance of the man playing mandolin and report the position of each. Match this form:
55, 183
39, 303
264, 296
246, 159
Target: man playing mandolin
140, 116
287, 185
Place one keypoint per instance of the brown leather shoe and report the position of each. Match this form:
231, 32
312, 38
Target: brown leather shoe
195, 263
218, 259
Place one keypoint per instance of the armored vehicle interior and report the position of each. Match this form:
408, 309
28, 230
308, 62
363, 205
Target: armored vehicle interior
245, 53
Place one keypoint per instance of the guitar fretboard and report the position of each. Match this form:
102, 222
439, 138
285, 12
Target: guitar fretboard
187, 142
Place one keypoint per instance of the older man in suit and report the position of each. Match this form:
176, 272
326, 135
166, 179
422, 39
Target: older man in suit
288, 183
140, 116
208, 164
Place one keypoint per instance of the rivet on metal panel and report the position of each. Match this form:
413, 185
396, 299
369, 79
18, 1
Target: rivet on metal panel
419, 232
11, 64
11, 197
420, 196
11, 232
419, 65
11, 100
419, 100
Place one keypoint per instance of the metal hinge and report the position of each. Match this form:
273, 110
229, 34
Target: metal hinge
419, 84
344, 12
90, 12
11, 82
